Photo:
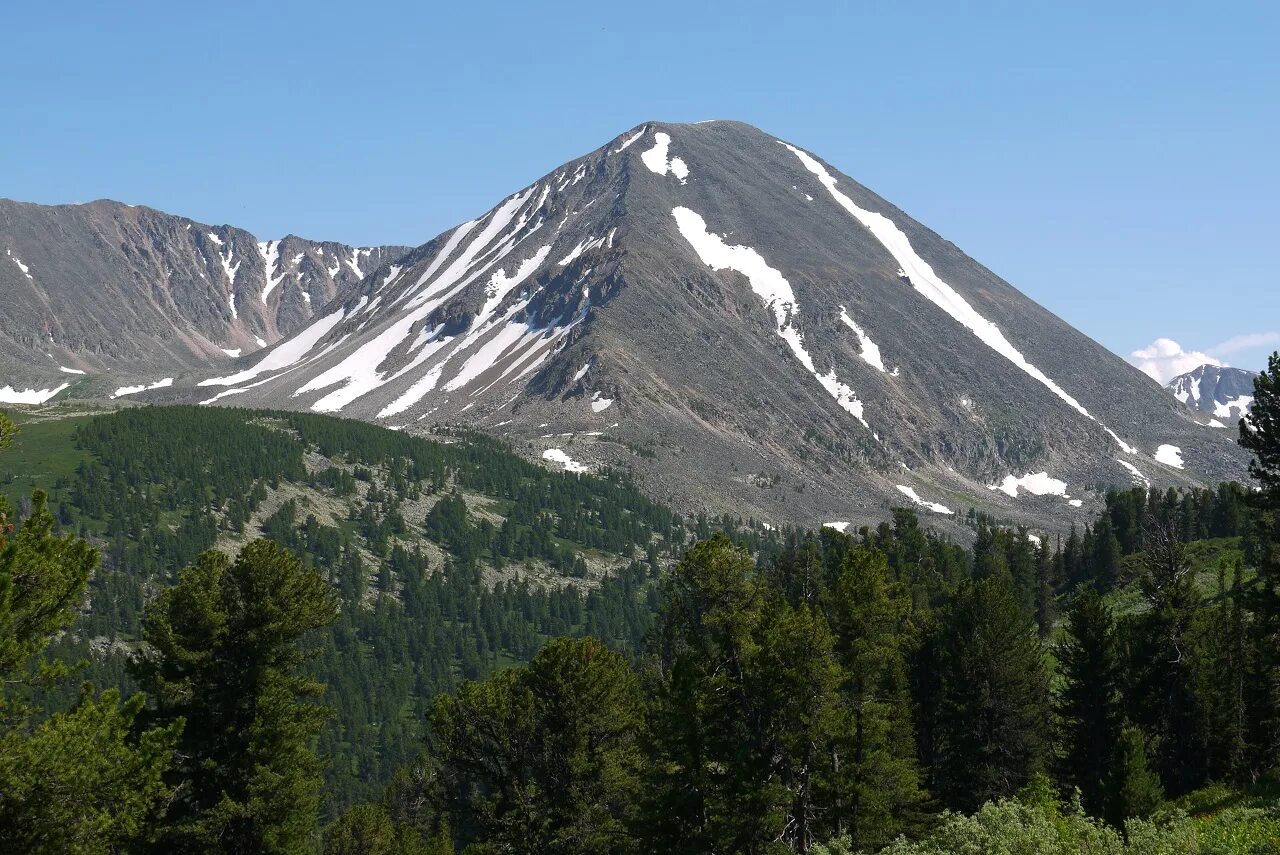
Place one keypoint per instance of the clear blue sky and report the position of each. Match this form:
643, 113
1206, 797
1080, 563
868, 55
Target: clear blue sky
1116, 163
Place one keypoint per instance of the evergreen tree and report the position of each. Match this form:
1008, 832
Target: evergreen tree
876, 783
543, 758
363, 830
227, 650
993, 709
1133, 788
1088, 702
1105, 556
1162, 682
1260, 434
746, 703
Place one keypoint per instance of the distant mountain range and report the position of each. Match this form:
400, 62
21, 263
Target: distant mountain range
107, 288
722, 313
1225, 393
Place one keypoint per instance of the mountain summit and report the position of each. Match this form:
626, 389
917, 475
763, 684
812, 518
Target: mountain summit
1225, 393
747, 330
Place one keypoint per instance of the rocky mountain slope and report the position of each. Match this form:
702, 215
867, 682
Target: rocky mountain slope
747, 330
1225, 393
133, 295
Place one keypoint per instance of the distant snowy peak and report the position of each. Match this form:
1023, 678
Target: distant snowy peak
1225, 393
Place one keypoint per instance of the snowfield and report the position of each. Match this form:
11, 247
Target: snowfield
10, 395
1037, 483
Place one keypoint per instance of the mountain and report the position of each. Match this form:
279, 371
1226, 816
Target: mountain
746, 330
143, 295
1226, 393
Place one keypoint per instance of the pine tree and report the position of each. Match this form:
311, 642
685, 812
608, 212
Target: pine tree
363, 830
1133, 788
227, 659
1260, 434
993, 709
875, 779
1105, 557
746, 704
1163, 685
543, 758
1088, 702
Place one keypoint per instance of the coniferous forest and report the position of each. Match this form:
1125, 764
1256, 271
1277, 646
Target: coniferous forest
240, 631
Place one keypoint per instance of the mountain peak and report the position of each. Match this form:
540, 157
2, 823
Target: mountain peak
1225, 392
706, 289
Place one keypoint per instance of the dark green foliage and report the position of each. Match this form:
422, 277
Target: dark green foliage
1089, 699
226, 660
161, 485
1133, 788
744, 712
544, 758
875, 793
992, 717
1260, 430
85, 780
1260, 433
88, 779
1161, 675
42, 580
768, 694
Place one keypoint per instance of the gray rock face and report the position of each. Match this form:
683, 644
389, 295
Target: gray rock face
1224, 393
130, 294
746, 330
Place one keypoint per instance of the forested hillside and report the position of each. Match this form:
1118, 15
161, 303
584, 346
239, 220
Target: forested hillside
451, 556
474, 654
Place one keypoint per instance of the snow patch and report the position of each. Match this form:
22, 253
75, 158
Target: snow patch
1169, 455
599, 404
586, 245
556, 455
10, 395
1138, 477
1036, 483
65, 370
270, 252
26, 271
581, 372
233, 352
838, 526
627, 143
1242, 403
911, 494
289, 352
656, 158
133, 390
870, 352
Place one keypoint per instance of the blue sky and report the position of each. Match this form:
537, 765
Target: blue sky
1116, 162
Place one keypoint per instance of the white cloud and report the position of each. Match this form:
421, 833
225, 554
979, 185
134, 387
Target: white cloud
1248, 341
1164, 359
